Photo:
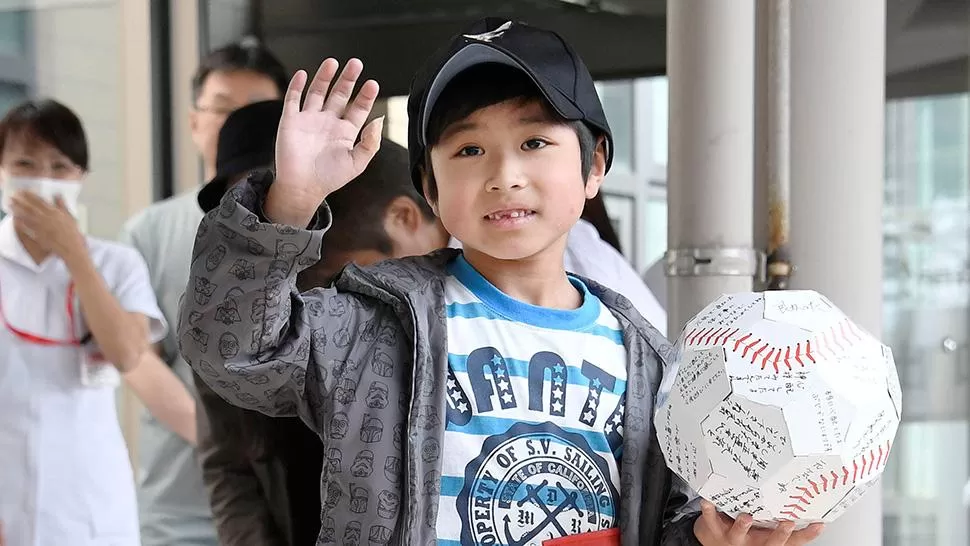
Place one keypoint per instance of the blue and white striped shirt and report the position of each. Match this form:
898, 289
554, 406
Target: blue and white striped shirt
534, 431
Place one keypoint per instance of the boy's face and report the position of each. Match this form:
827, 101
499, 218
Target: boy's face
509, 180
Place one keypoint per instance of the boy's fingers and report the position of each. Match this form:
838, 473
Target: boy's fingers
358, 110
806, 535
781, 534
370, 142
710, 515
294, 92
344, 87
317, 93
739, 531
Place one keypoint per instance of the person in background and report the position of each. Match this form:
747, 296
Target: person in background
78, 314
588, 255
262, 473
172, 499
377, 216
595, 213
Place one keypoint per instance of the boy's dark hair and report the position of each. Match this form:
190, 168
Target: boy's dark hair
485, 85
247, 55
51, 122
358, 208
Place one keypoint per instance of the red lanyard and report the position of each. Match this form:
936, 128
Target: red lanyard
46, 341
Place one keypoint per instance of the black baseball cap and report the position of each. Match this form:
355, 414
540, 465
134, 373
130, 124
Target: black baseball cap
247, 141
543, 55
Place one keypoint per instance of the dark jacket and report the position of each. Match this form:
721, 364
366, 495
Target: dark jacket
262, 474
364, 364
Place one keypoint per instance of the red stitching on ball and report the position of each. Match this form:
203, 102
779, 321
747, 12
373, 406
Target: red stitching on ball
870, 463
741, 340
799, 498
838, 338
723, 338
792, 511
767, 358
758, 353
749, 346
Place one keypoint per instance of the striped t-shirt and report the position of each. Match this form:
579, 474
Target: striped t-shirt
534, 432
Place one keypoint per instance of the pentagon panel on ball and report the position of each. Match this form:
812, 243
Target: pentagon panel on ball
778, 405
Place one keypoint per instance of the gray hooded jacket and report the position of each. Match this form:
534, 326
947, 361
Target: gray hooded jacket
364, 364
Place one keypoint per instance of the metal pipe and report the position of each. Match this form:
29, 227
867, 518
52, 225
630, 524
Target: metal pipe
778, 140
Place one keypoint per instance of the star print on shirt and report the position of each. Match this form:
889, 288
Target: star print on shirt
502, 383
459, 408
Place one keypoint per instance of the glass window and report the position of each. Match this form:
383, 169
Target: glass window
658, 120
926, 246
656, 235
10, 95
227, 21
13, 33
949, 147
617, 99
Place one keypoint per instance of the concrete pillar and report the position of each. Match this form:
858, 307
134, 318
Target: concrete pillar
837, 148
710, 66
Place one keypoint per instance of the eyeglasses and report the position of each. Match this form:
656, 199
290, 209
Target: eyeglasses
215, 110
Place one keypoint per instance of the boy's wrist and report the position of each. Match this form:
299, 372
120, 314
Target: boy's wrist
284, 206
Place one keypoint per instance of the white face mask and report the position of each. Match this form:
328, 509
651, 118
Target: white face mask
45, 188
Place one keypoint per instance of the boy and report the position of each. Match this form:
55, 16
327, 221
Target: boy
480, 397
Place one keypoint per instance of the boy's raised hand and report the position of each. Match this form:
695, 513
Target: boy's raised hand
716, 529
316, 146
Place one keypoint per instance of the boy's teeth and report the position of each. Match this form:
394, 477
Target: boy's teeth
512, 214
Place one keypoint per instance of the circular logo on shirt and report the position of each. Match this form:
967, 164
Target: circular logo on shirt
533, 483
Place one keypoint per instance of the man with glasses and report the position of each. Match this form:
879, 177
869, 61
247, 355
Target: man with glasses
173, 503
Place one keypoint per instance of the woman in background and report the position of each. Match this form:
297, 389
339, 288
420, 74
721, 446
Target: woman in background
76, 314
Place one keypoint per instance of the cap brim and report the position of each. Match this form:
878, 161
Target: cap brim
478, 53
211, 194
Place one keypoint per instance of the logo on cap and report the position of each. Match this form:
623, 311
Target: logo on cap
490, 35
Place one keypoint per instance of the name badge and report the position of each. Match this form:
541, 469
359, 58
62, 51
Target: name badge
97, 372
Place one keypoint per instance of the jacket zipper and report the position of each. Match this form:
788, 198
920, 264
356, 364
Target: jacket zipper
406, 534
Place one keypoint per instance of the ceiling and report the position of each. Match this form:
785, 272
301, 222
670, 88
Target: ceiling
927, 41
393, 37
927, 47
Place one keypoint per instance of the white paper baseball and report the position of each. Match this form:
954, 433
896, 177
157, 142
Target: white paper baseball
779, 406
